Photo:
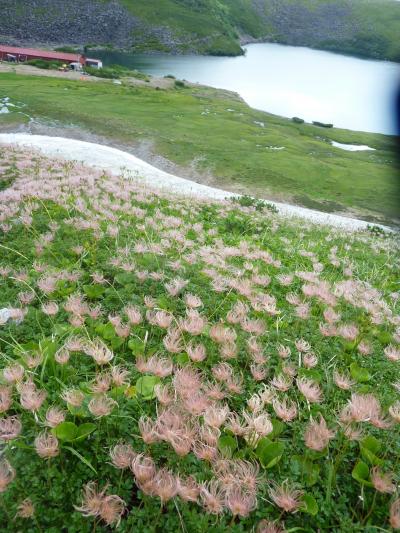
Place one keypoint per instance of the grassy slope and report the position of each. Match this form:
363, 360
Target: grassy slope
228, 144
46, 244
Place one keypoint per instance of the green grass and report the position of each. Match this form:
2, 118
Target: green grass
194, 124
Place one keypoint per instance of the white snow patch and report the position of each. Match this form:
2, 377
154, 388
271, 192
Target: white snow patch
4, 110
352, 147
117, 162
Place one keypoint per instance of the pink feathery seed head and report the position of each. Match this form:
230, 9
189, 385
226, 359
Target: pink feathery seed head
160, 366
364, 348
309, 389
216, 416
13, 373
256, 327
193, 301
361, 408
285, 279
228, 350
331, 316
352, 432
212, 497
50, 308
10, 428
302, 311
348, 332
165, 485
164, 394
214, 391
395, 514
302, 345
73, 397
34, 359
382, 482
111, 509
267, 394
101, 384
282, 382
62, 356
100, 353
101, 405
149, 302
343, 381
187, 381
239, 501
26, 297
222, 372
235, 384
175, 286
293, 298
286, 497
283, 351
196, 352
220, 334
394, 412
162, 319
47, 284
76, 321
122, 456
259, 372
209, 435
54, 416
32, 399
7, 474
235, 425
310, 360
143, 468
119, 375
25, 509
75, 344
91, 500
255, 403
133, 314
392, 353
265, 526
172, 341
204, 451
123, 330
188, 489
196, 404
114, 319
148, 431
285, 409
98, 277
46, 445
194, 323
317, 435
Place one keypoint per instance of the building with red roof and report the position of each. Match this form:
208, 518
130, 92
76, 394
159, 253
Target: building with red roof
20, 55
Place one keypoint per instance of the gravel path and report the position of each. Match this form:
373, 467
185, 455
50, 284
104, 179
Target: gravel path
117, 162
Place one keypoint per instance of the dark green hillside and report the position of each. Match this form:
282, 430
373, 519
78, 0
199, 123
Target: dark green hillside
367, 28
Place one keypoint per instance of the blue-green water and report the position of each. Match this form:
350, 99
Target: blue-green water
290, 81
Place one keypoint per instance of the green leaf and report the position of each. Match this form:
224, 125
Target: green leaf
227, 445
361, 473
309, 504
84, 430
308, 470
270, 454
182, 359
107, 331
145, 386
360, 374
136, 346
66, 431
116, 342
124, 279
369, 448
94, 291
81, 458
278, 427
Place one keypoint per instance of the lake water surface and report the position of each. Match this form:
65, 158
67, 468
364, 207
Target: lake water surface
290, 81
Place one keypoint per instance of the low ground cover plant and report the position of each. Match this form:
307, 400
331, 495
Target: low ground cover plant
173, 364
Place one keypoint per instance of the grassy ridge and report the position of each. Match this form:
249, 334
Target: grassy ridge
225, 138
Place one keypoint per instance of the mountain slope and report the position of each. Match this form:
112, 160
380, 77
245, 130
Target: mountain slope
364, 27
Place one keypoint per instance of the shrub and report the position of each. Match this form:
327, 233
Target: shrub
322, 124
298, 120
